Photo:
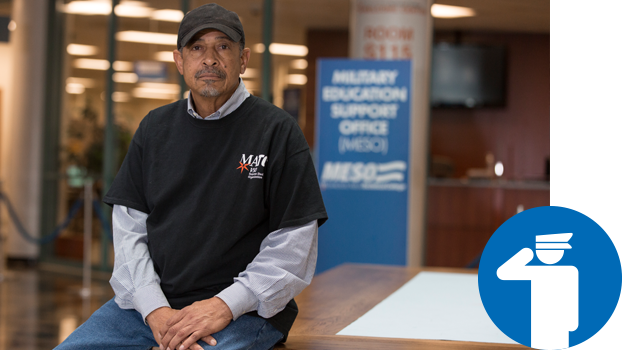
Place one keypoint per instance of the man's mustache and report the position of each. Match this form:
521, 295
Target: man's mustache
221, 74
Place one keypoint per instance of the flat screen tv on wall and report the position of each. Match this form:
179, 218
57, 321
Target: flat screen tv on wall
468, 76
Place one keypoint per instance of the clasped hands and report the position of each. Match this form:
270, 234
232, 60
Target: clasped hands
181, 329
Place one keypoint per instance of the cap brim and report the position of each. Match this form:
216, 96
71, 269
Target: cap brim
231, 33
553, 246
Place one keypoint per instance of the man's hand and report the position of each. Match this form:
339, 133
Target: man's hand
157, 319
197, 321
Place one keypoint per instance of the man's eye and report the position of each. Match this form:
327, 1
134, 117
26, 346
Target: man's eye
223, 47
195, 48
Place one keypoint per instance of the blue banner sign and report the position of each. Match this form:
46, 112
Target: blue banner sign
363, 142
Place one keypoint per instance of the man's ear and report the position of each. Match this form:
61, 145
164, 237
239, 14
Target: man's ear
178, 60
245, 58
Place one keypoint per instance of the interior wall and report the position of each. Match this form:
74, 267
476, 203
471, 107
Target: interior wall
461, 219
517, 134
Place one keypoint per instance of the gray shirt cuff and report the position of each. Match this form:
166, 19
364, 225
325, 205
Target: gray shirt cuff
149, 298
239, 299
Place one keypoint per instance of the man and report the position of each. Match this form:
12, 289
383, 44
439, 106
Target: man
215, 211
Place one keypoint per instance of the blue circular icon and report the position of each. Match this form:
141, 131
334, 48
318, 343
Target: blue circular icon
550, 278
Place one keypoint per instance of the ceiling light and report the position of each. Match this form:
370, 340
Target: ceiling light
86, 82
283, 49
164, 56
297, 79
147, 37
154, 93
88, 7
81, 50
90, 63
134, 3
123, 66
448, 11
288, 49
250, 73
168, 15
75, 88
125, 77
260, 47
119, 96
135, 9
299, 64
172, 88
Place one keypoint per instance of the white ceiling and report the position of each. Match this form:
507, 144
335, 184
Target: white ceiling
292, 19
492, 15
500, 15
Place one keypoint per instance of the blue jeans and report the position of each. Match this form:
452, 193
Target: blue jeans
111, 327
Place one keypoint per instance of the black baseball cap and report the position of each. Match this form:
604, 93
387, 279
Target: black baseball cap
210, 16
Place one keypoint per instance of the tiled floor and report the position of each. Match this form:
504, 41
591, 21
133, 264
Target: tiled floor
38, 309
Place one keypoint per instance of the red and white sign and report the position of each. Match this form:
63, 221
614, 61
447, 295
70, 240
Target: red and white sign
389, 29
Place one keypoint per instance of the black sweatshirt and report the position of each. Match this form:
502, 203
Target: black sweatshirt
213, 191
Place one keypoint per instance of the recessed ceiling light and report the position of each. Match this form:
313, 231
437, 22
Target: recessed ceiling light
86, 82
81, 50
168, 15
173, 88
120, 96
125, 77
297, 79
288, 49
123, 66
448, 11
88, 7
90, 63
75, 88
250, 73
164, 56
147, 37
155, 93
135, 9
299, 64
283, 49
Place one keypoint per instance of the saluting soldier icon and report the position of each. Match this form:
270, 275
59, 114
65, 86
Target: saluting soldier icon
554, 290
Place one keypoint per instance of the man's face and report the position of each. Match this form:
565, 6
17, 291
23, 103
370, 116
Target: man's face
211, 63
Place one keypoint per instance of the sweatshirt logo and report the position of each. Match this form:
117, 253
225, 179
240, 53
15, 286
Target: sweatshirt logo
252, 163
